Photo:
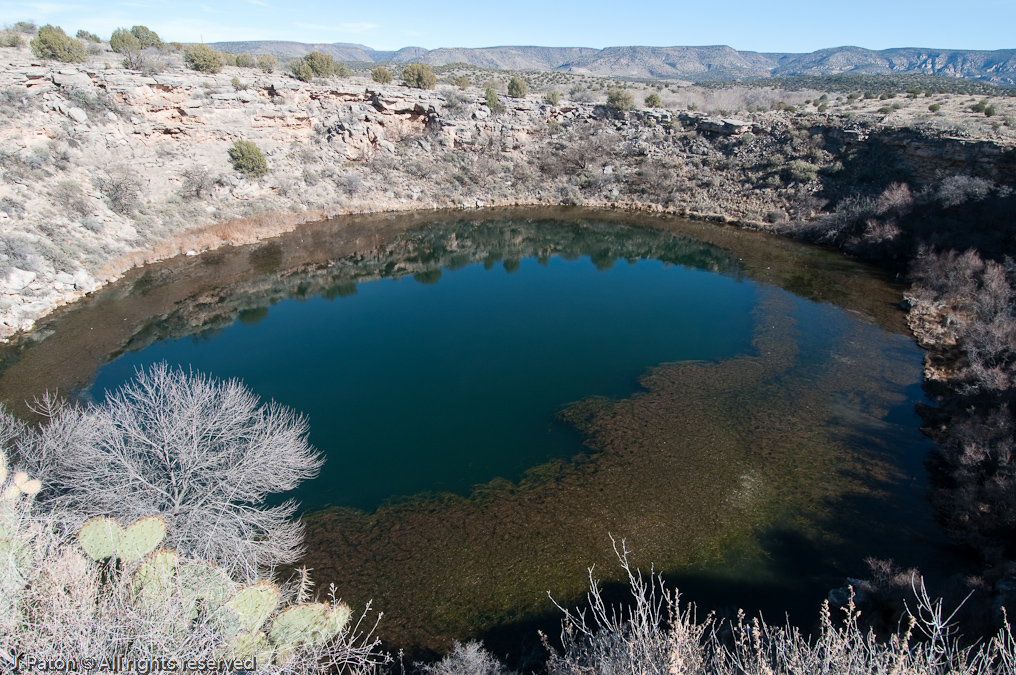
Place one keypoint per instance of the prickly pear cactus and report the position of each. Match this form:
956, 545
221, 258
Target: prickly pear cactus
15, 540
141, 538
100, 538
299, 624
203, 585
245, 645
338, 617
153, 581
253, 605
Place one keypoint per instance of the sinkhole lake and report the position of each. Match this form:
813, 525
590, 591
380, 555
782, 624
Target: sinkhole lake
440, 383
498, 395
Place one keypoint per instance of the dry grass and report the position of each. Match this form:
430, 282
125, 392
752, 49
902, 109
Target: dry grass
655, 634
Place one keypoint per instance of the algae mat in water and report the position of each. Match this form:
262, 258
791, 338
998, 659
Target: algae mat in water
691, 473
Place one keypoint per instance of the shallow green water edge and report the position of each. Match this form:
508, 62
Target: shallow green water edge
724, 474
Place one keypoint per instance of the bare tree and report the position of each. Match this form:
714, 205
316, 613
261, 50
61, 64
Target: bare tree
202, 453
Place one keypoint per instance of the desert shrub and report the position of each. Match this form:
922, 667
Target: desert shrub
267, 63
342, 70
470, 659
419, 76
654, 633
202, 58
800, 171
26, 27
122, 189
957, 190
248, 159
177, 445
147, 37
301, 70
552, 97
655, 180
69, 195
18, 251
322, 64
124, 42
462, 82
349, 183
53, 43
581, 150
381, 75
653, 101
10, 38
238, 84
517, 87
89, 37
620, 99
490, 96
12, 207
245, 61
198, 183
453, 100
934, 107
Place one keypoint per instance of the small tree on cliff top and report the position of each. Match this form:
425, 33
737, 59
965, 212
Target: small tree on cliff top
419, 75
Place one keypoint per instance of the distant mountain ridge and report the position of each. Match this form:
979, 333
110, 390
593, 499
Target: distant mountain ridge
686, 63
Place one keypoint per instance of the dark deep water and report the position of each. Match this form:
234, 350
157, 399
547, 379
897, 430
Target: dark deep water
438, 386
739, 408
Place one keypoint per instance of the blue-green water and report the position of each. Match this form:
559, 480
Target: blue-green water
413, 387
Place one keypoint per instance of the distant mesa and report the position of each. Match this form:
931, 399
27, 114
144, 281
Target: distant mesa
718, 63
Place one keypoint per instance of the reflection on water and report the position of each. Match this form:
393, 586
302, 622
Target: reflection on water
743, 433
428, 382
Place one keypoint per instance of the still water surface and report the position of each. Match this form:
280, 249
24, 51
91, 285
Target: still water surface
413, 387
496, 397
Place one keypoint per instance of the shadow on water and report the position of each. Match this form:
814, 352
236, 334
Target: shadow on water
755, 478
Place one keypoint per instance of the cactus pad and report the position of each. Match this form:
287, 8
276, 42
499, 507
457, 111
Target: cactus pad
153, 581
249, 644
100, 537
299, 624
141, 538
205, 583
31, 487
254, 604
337, 620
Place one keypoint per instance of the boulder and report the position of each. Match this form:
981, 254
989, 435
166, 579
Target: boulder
78, 115
725, 127
71, 79
18, 279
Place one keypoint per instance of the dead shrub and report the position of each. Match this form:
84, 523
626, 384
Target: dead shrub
122, 190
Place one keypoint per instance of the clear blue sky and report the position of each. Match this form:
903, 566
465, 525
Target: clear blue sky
779, 26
